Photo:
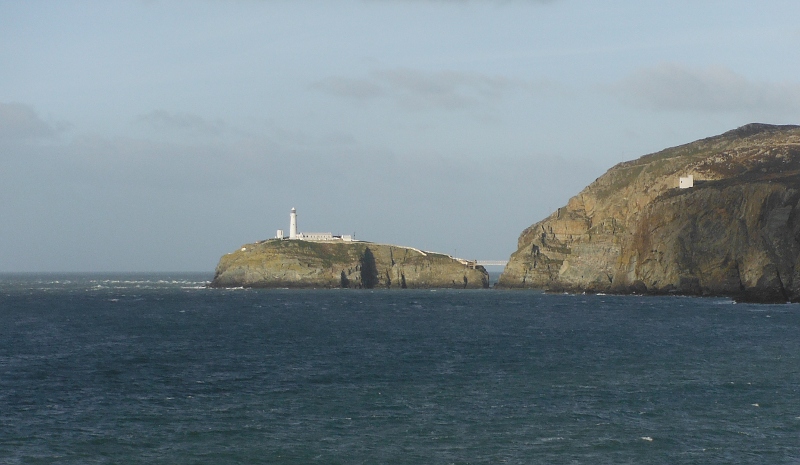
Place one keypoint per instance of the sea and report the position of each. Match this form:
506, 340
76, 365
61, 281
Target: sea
159, 369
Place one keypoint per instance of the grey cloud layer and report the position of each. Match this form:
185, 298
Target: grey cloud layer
21, 122
197, 200
674, 87
415, 89
183, 122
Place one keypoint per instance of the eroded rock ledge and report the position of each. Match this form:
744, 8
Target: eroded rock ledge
735, 233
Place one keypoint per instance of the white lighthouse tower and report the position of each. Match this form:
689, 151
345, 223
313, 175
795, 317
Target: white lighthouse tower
293, 224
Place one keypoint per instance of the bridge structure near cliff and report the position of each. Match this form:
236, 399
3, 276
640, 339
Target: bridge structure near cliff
474, 263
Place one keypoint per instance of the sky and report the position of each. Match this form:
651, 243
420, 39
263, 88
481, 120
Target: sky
159, 135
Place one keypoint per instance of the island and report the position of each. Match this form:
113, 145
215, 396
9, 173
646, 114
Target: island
298, 263
324, 260
719, 216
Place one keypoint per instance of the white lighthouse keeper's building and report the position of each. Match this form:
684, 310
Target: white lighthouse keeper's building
310, 236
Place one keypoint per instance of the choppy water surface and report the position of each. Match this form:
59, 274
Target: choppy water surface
157, 369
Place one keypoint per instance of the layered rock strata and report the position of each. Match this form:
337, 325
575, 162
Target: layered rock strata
279, 263
735, 233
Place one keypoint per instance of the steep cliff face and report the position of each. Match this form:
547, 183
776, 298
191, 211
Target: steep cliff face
736, 232
306, 264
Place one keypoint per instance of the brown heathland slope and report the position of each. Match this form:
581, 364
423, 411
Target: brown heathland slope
736, 232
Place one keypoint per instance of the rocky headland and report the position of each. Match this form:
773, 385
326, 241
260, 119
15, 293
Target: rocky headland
735, 233
277, 263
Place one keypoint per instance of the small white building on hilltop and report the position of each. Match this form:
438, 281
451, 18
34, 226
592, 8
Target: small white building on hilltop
686, 182
313, 236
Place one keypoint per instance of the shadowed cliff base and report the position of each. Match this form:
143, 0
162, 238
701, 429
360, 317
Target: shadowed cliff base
280, 263
736, 233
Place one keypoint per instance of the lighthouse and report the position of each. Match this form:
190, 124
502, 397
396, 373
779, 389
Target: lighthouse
293, 224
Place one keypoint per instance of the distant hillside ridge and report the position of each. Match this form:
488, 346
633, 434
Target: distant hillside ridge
735, 233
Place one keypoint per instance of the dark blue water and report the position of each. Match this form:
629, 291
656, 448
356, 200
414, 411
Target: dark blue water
156, 369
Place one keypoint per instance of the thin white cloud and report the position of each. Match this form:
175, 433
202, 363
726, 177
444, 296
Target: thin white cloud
358, 89
673, 87
21, 122
181, 122
299, 138
445, 89
416, 89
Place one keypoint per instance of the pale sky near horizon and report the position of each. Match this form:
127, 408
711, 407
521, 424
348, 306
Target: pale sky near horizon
158, 135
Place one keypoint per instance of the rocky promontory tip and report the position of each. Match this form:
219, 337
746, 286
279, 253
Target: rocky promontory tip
284, 263
720, 216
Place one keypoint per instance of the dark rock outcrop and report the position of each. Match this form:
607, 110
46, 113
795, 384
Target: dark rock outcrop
309, 264
735, 233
